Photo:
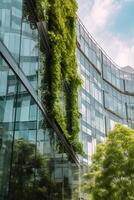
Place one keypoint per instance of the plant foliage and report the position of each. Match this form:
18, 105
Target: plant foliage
60, 80
111, 175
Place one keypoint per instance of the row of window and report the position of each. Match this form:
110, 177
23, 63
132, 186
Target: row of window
91, 51
119, 79
92, 83
100, 104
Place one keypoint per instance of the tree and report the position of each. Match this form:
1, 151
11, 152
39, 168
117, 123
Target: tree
111, 174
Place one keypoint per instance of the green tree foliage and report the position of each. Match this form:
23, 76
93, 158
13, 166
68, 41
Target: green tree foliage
111, 175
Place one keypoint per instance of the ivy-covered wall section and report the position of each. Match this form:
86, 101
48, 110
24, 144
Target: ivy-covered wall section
60, 80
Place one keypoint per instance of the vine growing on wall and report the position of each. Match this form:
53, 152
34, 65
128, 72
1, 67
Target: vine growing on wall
60, 80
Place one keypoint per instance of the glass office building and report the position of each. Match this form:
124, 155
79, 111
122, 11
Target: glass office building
106, 97
107, 93
31, 152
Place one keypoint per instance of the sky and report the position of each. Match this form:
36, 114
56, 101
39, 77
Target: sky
111, 23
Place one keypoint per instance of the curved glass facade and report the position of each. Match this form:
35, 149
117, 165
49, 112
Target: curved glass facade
107, 94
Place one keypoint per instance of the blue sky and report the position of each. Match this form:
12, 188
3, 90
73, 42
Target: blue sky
124, 21
111, 22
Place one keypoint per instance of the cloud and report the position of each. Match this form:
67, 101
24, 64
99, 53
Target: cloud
99, 13
120, 51
97, 17
84, 7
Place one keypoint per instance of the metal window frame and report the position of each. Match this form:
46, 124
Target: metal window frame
7, 56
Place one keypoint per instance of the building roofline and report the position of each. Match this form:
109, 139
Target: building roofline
102, 50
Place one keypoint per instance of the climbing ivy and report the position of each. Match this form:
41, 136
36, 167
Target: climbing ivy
60, 80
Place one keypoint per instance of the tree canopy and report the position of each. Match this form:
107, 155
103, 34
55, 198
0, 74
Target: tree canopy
111, 175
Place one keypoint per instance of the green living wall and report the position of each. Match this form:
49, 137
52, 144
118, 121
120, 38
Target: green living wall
60, 80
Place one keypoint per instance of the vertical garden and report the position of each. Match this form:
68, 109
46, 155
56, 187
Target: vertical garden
60, 81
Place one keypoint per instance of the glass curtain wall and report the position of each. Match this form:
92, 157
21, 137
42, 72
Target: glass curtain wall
107, 93
33, 161
20, 38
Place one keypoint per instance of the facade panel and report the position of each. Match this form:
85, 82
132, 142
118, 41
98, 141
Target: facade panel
107, 93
